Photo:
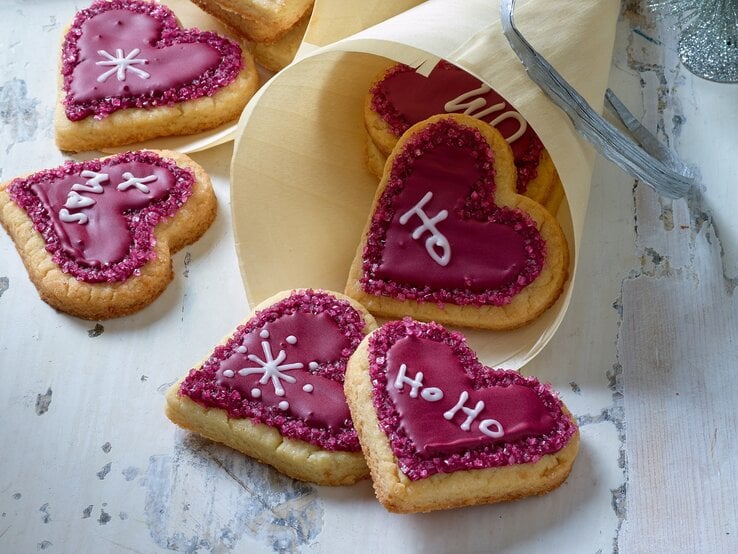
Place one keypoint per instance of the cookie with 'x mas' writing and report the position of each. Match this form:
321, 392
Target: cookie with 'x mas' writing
441, 430
97, 236
401, 97
274, 389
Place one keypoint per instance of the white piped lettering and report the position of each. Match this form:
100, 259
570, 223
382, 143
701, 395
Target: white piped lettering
66, 217
436, 238
484, 427
473, 104
471, 413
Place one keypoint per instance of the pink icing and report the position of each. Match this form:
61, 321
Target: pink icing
118, 237
327, 331
422, 439
495, 252
212, 62
404, 97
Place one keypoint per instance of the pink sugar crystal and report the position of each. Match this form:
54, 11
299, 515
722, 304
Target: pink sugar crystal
201, 386
525, 450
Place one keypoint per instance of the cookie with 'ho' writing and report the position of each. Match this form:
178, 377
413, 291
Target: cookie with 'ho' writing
274, 389
449, 239
440, 430
130, 73
97, 236
401, 97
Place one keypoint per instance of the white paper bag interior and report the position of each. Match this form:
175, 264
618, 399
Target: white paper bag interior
301, 192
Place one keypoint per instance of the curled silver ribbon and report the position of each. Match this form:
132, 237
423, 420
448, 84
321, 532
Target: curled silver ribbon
651, 162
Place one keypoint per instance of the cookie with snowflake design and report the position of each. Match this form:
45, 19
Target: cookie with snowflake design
449, 239
97, 236
130, 73
274, 389
441, 430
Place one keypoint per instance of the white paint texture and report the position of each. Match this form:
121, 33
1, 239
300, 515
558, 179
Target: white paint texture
645, 359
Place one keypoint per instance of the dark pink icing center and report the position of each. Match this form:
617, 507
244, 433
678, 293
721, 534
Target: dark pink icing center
285, 368
111, 208
510, 419
404, 97
133, 54
492, 252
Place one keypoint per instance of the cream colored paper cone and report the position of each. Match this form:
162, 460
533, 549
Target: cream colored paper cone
334, 20
300, 191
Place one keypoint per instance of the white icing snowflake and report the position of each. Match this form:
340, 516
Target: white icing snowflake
271, 368
121, 63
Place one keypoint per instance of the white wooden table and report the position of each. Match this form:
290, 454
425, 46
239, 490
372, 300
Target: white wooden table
645, 359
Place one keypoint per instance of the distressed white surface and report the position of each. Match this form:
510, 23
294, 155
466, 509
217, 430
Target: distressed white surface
678, 341
89, 463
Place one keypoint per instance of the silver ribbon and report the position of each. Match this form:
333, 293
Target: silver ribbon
651, 162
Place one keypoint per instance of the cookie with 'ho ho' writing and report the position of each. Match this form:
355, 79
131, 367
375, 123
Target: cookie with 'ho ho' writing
449, 239
97, 236
274, 389
440, 430
401, 97
130, 73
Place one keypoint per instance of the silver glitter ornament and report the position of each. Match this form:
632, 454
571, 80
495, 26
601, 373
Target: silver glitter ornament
708, 45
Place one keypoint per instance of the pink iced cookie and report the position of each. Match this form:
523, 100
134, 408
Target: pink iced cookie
441, 430
402, 97
450, 240
274, 389
97, 236
129, 73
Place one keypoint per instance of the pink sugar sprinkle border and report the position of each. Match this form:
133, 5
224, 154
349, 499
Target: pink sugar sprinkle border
140, 224
415, 467
200, 384
526, 164
211, 81
479, 205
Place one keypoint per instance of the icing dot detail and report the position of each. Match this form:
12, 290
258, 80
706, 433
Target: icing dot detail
292, 339
242, 349
256, 393
228, 373
284, 405
307, 387
313, 365
264, 334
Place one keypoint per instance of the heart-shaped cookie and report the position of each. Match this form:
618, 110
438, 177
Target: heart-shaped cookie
124, 58
401, 97
274, 389
450, 240
96, 236
441, 430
